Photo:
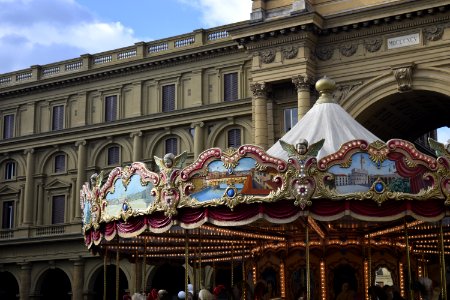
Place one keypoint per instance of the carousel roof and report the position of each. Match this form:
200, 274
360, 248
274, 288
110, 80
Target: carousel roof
325, 120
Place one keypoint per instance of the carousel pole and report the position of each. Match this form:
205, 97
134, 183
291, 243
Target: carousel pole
186, 264
442, 258
408, 262
369, 262
117, 273
232, 265
144, 264
308, 281
244, 294
104, 272
200, 259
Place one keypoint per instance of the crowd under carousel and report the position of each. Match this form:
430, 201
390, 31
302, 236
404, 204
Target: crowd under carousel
329, 204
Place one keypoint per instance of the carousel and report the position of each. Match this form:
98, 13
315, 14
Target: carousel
329, 212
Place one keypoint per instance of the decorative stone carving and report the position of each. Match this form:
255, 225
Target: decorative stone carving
373, 44
259, 89
267, 56
404, 77
342, 90
302, 82
324, 53
348, 49
433, 33
289, 52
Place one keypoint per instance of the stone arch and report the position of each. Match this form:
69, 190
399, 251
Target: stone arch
53, 283
21, 163
94, 280
126, 146
213, 136
70, 153
185, 137
9, 285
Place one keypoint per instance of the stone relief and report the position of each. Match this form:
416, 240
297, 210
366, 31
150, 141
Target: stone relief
404, 77
433, 33
324, 53
267, 56
344, 89
348, 49
373, 44
289, 52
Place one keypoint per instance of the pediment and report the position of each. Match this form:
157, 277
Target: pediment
7, 190
57, 184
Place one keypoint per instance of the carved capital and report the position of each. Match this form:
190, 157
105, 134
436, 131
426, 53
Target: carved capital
433, 33
404, 77
373, 45
197, 124
267, 56
259, 89
28, 151
302, 82
80, 143
135, 133
289, 52
348, 49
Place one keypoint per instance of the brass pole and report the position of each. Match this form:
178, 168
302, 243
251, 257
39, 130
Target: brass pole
200, 258
443, 272
232, 264
308, 283
104, 272
244, 294
117, 273
369, 262
408, 262
186, 264
144, 264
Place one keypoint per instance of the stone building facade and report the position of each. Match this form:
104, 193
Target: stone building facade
247, 82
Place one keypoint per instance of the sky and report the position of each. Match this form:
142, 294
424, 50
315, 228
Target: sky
38, 32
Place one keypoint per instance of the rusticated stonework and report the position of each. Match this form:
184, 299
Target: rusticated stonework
324, 53
373, 45
433, 33
289, 52
348, 49
267, 56
259, 89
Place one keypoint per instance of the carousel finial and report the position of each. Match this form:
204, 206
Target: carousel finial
325, 86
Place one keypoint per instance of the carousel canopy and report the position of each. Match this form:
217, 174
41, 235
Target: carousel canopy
325, 120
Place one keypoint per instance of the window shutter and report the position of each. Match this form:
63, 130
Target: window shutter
230, 87
110, 108
171, 146
58, 117
60, 163
58, 208
8, 126
234, 138
168, 98
10, 170
113, 155
8, 215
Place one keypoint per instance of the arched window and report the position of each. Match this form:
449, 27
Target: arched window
113, 155
60, 163
234, 138
10, 170
171, 146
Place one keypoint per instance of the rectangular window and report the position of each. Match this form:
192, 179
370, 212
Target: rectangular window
58, 117
113, 155
110, 108
230, 83
8, 126
168, 98
58, 209
8, 215
10, 170
60, 163
171, 146
234, 138
290, 118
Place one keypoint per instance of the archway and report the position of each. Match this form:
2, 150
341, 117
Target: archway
55, 285
169, 277
99, 282
9, 288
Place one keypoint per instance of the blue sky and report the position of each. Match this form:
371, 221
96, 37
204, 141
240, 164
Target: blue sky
38, 32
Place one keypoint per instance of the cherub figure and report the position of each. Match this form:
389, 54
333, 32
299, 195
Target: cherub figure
302, 150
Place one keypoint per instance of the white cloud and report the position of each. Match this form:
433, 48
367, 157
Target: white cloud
220, 12
45, 31
443, 134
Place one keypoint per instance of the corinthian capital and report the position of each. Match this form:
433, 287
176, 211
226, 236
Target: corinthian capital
259, 89
28, 151
302, 82
135, 133
80, 143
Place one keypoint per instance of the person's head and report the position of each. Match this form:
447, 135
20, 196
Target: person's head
345, 286
163, 295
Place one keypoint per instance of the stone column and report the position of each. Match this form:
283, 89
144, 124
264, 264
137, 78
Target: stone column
303, 85
137, 145
78, 279
40, 204
259, 91
198, 138
25, 280
81, 177
29, 189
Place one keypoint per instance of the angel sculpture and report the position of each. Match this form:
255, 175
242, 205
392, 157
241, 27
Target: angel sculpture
301, 151
439, 148
169, 167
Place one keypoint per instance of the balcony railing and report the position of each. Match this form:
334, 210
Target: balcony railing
41, 231
138, 51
